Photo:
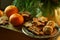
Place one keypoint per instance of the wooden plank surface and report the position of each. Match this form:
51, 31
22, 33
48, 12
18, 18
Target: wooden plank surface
12, 35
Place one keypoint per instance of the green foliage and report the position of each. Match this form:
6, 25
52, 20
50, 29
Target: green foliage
46, 6
49, 6
27, 5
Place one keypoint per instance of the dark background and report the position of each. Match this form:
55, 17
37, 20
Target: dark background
5, 3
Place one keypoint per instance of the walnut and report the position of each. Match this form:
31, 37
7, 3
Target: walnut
27, 24
51, 23
34, 29
42, 19
47, 30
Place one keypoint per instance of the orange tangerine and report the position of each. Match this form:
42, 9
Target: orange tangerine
11, 9
1, 13
16, 19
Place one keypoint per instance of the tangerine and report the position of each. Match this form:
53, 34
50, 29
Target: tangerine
1, 13
16, 19
11, 9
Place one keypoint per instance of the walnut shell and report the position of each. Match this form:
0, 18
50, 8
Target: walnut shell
47, 30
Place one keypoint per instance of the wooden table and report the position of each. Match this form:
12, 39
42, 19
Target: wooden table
6, 34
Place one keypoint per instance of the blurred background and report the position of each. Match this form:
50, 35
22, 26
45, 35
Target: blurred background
4, 3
